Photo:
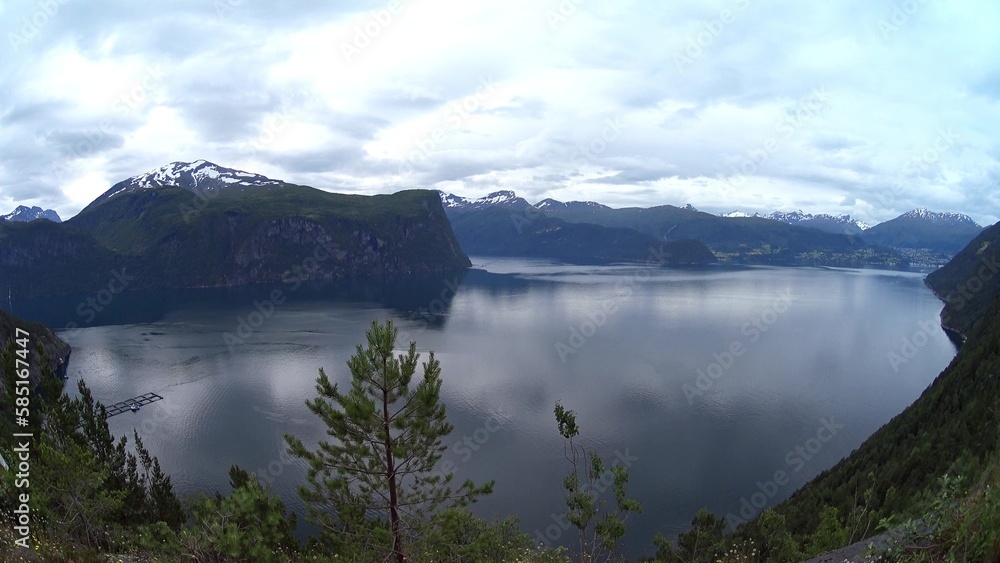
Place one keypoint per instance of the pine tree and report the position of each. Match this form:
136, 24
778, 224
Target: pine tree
250, 524
600, 528
387, 438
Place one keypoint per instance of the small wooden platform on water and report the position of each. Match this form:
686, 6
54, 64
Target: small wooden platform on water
124, 406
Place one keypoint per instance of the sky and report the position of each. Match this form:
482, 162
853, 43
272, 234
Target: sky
869, 107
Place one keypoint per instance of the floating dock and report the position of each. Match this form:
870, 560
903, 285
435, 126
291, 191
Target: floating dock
132, 404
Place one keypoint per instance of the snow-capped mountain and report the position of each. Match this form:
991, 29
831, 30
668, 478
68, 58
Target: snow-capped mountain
823, 221
946, 233
503, 198
956, 219
550, 203
844, 224
198, 176
26, 214
739, 214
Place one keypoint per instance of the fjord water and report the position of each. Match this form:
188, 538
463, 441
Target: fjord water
722, 388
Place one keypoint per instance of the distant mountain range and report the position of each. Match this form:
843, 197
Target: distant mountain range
969, 283
503, 224
946, 233
750, 240
919, 236
942, 233
842, 224
199, 224
24, 214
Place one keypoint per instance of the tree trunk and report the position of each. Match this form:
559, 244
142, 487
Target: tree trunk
390, 471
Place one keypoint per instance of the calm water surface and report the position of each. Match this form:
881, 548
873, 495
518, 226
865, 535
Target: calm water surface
705, 382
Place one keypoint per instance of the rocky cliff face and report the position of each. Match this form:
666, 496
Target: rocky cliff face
296, 234
45, 258
45, 348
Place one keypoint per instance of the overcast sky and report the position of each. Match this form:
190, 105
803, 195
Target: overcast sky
868, 107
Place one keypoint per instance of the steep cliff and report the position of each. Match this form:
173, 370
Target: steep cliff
45, 348
44, 258
174, 236
969, 282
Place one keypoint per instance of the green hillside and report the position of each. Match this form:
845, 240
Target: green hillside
969, 282
498, 231
945, 233
43, 257
170, 237
751, 240
951, 429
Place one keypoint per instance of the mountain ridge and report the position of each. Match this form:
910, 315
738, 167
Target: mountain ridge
200, 176
967, 282
844, 224
745, 240
25, 214
250, 231
503, 224
946, 233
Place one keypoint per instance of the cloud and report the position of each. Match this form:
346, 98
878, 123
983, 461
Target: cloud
368, 97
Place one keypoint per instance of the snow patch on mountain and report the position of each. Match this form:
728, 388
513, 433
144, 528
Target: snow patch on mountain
549, 203
452, 200
822, 221
940, 218
24, 214
500, 198
197, 176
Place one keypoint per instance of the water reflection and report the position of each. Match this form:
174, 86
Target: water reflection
639, 340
